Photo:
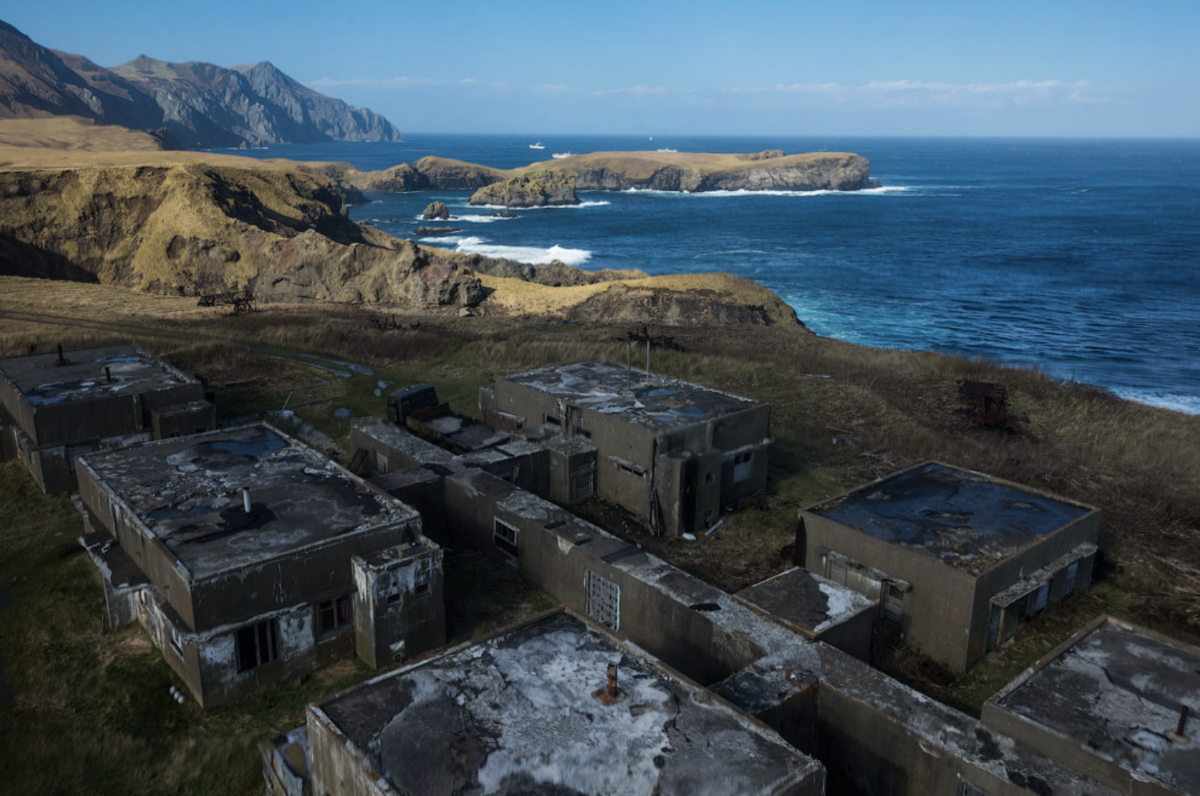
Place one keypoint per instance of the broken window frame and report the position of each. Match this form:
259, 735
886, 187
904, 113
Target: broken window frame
334, 615
743, 466
257, 644
504, 537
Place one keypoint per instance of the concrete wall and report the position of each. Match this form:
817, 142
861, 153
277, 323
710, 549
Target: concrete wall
399, 607
556, 552
938, 610
869, 751
1005, 573
338, 767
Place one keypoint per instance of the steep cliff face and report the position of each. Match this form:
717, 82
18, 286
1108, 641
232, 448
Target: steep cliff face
620, 171
770, 170
191, 105
196, 228
207, 105
533, 189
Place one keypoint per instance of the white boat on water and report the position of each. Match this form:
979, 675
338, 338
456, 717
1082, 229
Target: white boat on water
538, 145
561, 155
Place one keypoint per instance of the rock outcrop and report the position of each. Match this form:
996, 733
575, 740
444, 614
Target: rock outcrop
436, 211
195, 228
188, 105
533, 189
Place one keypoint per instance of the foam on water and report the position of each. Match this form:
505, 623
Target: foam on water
524, 254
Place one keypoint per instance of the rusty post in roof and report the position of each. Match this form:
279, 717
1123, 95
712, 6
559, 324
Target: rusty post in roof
1183, 717
608, 695
612, 687
108, 374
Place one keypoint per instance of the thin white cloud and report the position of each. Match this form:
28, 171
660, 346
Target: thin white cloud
874, 94
917, 93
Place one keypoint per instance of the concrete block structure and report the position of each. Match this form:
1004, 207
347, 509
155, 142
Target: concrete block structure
818, 609
54, 407
871, 733
1116, 702
958, 558
671, 452
556, 705
250, 558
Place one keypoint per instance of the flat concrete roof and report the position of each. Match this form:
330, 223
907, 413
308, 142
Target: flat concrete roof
187, 492
612, 390
957, 516
517, 714
1117, 691
806, 600
133, 371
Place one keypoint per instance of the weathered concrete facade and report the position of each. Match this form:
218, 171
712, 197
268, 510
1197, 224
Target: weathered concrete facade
58, 406
532, 711
671, 452
251, 549
1117, 702
873, 734
958, 558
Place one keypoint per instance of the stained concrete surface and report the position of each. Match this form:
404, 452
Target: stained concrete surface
188, 493
953, 515
806, 600
610, 389
517, 714
131, 370
1117, 693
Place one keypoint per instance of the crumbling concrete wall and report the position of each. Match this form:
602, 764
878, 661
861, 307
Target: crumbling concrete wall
338, 766
399, 609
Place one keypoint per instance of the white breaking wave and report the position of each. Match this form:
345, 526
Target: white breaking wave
482, 219
598, 203
524, 254
1187, 404
887, 189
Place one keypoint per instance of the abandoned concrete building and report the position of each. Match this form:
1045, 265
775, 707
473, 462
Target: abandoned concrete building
958, 558
755, 651
554, 705
1116, 702
54, 407
249, 558
671, 452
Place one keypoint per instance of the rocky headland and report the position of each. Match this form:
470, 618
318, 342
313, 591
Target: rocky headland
554, 182
188, 224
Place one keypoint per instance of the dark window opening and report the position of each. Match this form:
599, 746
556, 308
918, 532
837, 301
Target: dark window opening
505, 538
552, 420
393, 598
708, 478
334, 615
422, 589
257, 644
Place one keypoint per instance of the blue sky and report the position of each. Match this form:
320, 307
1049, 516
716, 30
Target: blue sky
856, 67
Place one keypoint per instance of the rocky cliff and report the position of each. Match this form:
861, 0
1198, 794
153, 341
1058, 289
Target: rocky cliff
532, 189
190, 105
770, 170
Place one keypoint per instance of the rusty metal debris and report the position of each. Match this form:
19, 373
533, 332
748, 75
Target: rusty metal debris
989, 407
240, 300
610, 694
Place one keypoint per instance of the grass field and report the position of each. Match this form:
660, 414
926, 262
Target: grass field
92, 713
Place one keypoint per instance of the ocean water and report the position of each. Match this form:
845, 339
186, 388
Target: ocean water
1080, 257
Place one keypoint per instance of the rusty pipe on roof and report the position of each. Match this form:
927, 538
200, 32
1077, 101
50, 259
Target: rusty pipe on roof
108, 374
612, 681
1183, 717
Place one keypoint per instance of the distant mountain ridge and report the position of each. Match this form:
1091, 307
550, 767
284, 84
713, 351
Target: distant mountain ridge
188, 105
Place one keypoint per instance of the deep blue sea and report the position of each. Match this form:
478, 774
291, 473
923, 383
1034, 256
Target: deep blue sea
1081, 257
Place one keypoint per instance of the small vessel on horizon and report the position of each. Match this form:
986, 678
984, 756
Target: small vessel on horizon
538, 145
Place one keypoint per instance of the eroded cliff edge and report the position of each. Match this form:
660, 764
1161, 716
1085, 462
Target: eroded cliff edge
190, 228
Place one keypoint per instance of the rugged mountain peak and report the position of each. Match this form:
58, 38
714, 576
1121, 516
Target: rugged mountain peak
195, 104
